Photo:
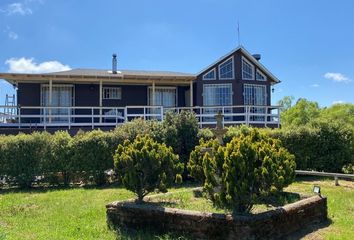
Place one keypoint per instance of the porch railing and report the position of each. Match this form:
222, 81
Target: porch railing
43, 117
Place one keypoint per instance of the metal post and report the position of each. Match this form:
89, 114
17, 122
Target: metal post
336, 182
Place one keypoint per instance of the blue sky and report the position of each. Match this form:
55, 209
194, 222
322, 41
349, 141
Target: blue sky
309, 45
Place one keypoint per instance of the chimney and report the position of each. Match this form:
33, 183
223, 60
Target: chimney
257, 56
114, 63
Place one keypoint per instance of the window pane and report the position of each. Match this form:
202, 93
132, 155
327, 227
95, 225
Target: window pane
247, 70
226, 69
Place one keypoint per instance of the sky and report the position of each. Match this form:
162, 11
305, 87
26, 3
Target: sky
308, 45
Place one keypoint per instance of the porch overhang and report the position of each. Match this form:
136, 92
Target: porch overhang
135, 79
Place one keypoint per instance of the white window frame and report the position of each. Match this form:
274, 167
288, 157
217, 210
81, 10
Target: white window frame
254, 86
110, 93
163, 88
252, 66
217, 85
232, 71
262, 74
212, 70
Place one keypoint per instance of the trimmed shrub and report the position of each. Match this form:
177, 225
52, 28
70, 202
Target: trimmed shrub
195, 164
322, 147
92, 154
24, 156
59, 167
235, 131
144, 165
206, 134
250, 166
181, 133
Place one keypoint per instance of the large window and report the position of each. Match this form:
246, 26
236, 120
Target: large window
255, 95
260, 76
217, 95
211, 75
226, 69
62, 96
164, 96
112, 93
247, 70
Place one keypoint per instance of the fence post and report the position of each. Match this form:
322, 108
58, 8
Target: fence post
162, 112
92, 118
19, 117
69, 117
126, 114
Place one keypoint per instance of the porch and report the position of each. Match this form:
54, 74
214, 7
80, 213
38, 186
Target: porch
38, 117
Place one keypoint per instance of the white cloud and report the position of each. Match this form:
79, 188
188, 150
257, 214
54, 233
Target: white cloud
337, 77
28, 65
18, 8
12, 35
338, 102
315, 85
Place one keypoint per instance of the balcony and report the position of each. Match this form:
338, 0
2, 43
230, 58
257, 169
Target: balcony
95, 117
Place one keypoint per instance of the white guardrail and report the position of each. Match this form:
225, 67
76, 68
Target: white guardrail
336, 176
25, 116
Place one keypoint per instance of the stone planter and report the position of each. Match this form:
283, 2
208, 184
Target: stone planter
272, 224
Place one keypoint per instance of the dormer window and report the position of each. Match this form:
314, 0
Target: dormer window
211, 75
247, 70
260, 76
226, 69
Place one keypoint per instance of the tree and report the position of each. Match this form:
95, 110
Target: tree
286, 102
342, 113
302, 113
144, 165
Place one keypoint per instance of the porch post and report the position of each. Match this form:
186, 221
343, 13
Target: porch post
50, 99
191, 93
101, 83
153, 93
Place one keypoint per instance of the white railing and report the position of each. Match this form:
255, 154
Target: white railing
43, 117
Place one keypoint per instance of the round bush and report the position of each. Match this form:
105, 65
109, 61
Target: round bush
144, 166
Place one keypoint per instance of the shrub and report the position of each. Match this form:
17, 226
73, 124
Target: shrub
181, 133
60, 160
195, 164
322, 146
235, 132
144, 165
92, 154
251, 165
206, 134
24, 156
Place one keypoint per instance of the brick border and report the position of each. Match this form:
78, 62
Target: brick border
272, 224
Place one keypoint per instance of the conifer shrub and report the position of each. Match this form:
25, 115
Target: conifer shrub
144, 165
251, 165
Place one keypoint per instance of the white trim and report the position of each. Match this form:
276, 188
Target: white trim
162, 87
261, 73
255, 62
119, 93
253, 68
233, 68
212, 70
216, 85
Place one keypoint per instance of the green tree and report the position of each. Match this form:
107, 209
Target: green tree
144, 165
302, 113
342, 113
286, 102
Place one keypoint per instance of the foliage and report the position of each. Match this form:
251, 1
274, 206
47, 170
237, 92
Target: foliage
206, 134
195, 164
23, 156
235, 131
322, 146
302, 113
342, 113
348, 169
181, 133
91, 153
250, 165
145, 165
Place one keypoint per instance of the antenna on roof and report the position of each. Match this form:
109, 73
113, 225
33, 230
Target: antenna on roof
238, 33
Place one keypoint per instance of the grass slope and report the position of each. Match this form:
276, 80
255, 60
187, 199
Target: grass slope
80, 213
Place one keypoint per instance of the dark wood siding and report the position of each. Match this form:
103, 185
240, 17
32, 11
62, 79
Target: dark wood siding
237, 82
29, 94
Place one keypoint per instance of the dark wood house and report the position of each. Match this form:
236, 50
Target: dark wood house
237, 84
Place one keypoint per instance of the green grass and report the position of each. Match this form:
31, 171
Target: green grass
80, 213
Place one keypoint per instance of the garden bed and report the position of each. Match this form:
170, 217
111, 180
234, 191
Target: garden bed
266, 220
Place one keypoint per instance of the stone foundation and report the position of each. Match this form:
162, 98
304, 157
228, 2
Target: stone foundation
272, 224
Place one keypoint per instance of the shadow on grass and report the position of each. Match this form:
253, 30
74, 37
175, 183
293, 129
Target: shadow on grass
310, 230
303, 178
279, 199
149, 234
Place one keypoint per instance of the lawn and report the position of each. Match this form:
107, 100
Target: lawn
80, 213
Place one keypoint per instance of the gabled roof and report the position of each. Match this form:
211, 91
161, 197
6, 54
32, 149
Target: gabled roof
250, 57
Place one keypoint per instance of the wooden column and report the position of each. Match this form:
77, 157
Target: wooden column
153, 94
191, 93
50, 102
100, 103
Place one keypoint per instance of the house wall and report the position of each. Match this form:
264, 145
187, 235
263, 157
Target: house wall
237, 82
29, 94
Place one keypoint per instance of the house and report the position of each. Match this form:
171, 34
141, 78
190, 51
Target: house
237, 85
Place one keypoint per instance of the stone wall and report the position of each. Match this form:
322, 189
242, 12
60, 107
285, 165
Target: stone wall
268, 225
